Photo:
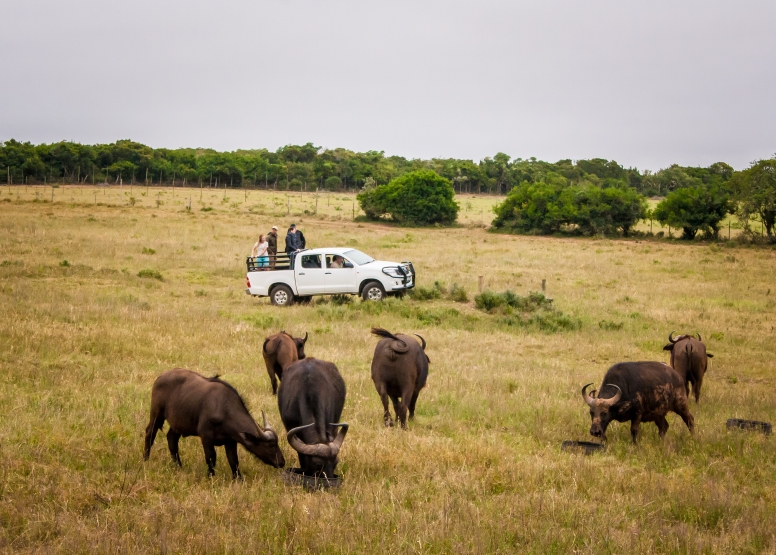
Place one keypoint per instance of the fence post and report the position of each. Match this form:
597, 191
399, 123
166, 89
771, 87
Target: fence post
479, 283
544, 285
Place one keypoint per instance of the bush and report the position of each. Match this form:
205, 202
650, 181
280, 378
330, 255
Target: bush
428, 293
153, 274
148, 250
458, 294
490, 301
694, 209
553, 205
417, 198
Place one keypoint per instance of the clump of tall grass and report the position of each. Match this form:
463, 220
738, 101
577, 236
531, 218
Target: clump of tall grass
438, 291
532, 311
153, 274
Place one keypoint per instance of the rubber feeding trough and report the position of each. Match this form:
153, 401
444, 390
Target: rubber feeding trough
311, 482
738, 423
585, 447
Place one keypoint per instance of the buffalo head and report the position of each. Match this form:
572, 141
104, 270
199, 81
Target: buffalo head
265, 445
600, 409
321, 458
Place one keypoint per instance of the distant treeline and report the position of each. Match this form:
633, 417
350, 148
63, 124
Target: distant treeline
307, 167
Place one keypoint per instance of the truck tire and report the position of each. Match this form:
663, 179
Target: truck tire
373, 291
281, 295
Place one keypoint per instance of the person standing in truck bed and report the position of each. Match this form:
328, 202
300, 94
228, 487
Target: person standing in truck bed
272, 246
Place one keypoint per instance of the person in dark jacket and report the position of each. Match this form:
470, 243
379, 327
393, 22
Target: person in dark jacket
292, 241
272, 246
300, 237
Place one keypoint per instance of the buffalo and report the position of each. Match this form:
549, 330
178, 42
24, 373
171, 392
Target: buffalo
689, 358
310, 398
280, 351
639, 392
399, 371
211, 409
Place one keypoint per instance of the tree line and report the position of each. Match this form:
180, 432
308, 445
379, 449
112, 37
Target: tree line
583, 196
305, 167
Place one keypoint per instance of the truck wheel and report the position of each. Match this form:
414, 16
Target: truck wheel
281, 295
373, 291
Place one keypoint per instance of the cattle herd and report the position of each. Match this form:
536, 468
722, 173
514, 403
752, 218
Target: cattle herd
311, 397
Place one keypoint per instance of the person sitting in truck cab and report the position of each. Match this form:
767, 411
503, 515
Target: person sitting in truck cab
311, 261
337, 262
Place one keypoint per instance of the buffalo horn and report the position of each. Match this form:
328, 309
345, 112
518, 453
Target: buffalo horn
699, 337
587, 397
322, 450
671, 337
612, 400
305, 338
423, 343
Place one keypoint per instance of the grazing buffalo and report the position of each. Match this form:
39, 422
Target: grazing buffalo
399, 371
689, 358
311, 398
281, 351
639, 392
213, 410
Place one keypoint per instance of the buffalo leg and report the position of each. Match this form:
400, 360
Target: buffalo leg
662, 426
688, 419
210, 456
635, 424
274, 381
231, 455
172, 444
400, 407
412, 404
156, 423
386, 412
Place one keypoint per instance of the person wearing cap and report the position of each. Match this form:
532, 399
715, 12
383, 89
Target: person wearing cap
272, 246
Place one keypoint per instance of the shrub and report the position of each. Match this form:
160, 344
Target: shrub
553, 205
64, 263
148, 250
458, 294
417, 198
694, 209
489, 301
428, 293
153, 274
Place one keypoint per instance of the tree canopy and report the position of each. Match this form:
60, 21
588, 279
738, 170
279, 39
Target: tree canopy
421, 197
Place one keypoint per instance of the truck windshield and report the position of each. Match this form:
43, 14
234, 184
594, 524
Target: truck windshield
358, 257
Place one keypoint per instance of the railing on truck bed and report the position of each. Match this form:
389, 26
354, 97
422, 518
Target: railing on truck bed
279, 261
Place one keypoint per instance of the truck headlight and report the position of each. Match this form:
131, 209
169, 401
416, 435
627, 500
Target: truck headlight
394, 272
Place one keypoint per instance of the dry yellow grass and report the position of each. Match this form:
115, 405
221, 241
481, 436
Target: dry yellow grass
479, 471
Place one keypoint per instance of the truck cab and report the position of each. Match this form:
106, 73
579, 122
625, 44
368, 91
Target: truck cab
326, 271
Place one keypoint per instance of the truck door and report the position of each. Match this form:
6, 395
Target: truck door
309, 274
340, 275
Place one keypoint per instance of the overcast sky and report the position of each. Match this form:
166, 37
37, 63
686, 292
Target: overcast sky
645, 83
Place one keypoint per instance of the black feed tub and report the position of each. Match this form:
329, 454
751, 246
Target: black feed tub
738, 423
310, 482
586, 447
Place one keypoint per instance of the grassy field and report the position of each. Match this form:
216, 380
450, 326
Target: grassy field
480, 470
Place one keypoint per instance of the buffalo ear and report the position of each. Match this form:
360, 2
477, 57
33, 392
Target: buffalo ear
249, 438
669, 347
709, 355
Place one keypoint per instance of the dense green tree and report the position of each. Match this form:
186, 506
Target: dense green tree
420, 197
554, 204
694, 209
755, 193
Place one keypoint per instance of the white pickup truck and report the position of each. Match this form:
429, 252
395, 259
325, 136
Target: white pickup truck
332, 271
